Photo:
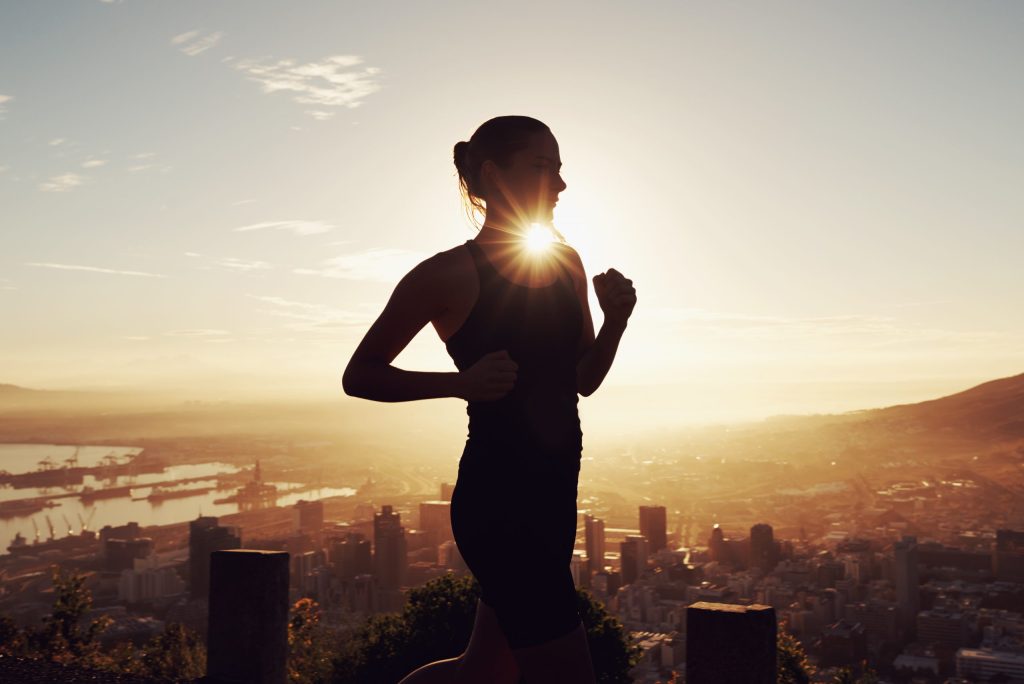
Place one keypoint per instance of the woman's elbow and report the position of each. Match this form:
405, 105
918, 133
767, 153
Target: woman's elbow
350, 383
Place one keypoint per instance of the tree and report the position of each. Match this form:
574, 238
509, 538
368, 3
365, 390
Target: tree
791, 660
436, 624
309, 650
62, 637
175, 655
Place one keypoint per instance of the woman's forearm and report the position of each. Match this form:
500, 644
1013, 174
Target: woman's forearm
384, 382
597, 360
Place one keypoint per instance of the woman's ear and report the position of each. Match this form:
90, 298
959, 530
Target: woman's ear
488, 175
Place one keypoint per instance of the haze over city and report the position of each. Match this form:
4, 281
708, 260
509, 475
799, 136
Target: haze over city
814, 412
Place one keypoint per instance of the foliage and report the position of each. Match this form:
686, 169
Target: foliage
309, 648
176, 654
436, 624
63, 638
67, 638
846, 676
792, 665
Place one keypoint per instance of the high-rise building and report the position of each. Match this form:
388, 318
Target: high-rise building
593, 530
351, 556
1008, 556
654, 526
308, 518
633, 554
446, 491
204, 537
716, 544
762, 547
389, 553
906, 580
436, 520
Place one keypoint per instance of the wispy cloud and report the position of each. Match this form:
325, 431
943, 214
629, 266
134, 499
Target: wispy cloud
94, 269
62, 182
4, 99
6, 285
194, 43
57, 142
298, 227
231, 263
307, 317
378, 265
93, 163
197, 332
336, 81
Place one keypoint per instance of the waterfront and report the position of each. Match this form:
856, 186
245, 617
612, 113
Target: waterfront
67, 511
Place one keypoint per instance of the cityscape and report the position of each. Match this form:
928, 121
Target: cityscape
884, 544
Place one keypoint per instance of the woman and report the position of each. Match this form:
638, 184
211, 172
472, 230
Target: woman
517, 324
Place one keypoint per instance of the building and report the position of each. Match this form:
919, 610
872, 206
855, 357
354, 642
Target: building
308, 519
593, 529
941, 627
350, 556
1008, 556
436, 521
389, 552
447, 488
983, 664
762, 547
120, 554
204, 537
905, 579
654, 526
634, 557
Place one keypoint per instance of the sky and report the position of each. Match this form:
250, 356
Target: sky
818, 203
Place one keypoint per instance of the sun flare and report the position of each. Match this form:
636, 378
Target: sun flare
538, 238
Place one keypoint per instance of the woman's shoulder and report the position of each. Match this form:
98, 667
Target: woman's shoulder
450, 267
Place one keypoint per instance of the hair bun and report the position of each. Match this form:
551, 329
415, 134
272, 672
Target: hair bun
461, 148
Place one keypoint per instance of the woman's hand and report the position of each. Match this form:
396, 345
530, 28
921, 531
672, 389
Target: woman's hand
616, 295
490, 378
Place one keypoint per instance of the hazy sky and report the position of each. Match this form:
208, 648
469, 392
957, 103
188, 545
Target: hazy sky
806, 194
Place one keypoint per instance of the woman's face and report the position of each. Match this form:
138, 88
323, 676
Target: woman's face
529, 185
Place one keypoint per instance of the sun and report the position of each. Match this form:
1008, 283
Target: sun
538, 238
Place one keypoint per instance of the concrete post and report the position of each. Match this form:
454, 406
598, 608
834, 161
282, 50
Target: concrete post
727, 644
247, 639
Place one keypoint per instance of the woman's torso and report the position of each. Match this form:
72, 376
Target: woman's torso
540, 327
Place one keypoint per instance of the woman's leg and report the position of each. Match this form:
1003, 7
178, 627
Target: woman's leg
487, 658
563, 660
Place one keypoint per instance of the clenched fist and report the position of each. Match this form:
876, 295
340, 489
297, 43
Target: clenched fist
616, 295
490, 378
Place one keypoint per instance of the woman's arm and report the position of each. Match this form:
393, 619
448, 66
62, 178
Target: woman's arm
418, 298
617, 298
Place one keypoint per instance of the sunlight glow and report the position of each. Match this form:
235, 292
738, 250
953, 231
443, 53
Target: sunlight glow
538, 238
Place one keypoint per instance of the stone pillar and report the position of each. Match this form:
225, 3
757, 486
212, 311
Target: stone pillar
727, 644
247, 639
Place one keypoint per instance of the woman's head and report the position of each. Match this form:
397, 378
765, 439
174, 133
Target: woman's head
510, 166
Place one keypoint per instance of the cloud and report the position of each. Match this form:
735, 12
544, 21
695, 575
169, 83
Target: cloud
335, 81
93, 163
378, 265
232, 263
94, 269
62, 182
307, 317
136, 338
6, 285
298, 227
197, 332
4, 99
193, 43
56, 142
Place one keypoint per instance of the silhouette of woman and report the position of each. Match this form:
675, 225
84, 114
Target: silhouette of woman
516, 322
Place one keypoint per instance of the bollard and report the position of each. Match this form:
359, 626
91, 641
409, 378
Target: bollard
727, 644
247, 637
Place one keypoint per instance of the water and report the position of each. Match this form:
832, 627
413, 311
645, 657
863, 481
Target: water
24, 458
70, 511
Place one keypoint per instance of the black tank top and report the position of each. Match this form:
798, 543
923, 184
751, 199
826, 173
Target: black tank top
540, 327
